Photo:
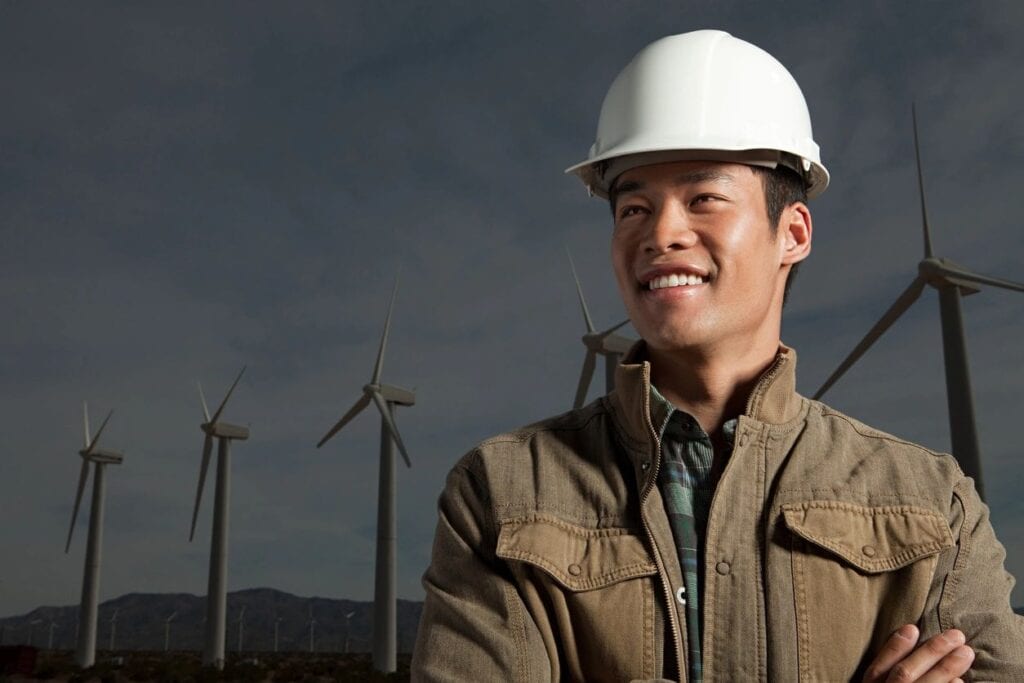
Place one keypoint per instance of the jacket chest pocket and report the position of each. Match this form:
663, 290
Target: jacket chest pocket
859, 573
591, 594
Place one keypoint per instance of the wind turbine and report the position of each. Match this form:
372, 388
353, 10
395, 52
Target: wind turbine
952, 281
606, 344
167, 631
312, 630
385, 397
113, 629
216, 594
241, 628
49, 642
85, 652
348, 624
277, 624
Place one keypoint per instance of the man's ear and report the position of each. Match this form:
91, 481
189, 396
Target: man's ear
795, 228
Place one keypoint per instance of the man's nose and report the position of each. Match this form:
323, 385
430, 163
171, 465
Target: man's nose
670, 230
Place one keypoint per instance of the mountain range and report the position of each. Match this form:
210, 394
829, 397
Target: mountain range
142, 622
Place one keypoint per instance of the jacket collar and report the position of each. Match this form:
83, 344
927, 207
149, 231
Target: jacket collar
773, 401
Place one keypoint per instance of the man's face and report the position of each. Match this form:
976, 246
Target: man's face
704, 223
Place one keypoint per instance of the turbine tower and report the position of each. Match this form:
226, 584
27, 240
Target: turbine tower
385, 397
216, 593
952, 281
85, 652
611, 346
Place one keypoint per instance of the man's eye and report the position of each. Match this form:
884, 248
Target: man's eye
703, 199
630, 211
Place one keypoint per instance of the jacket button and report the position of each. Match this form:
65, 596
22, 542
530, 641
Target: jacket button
743, 439
681, 595
868, 550
645, 465
575, 569
722, 568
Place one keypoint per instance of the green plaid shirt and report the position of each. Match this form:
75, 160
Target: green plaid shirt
687, 481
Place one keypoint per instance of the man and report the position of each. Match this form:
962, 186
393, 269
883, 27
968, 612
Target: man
704, 521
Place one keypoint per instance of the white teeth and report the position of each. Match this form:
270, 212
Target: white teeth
675, 280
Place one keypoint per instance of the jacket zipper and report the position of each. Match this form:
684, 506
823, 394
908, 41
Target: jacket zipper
666, 589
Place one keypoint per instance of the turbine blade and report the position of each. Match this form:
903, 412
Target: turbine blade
85, 422
920, 186
588, 372
985, 279
382, 406
207, 449
202, 399
613, 328
908, 297
346, 418
95, 439
579, 290
384, 338
223, 403
78, 500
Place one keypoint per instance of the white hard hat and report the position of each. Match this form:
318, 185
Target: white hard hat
703, 95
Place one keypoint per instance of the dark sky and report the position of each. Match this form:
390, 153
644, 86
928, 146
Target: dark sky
189, 187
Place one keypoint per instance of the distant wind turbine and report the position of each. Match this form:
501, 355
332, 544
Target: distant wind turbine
608, 344
385, 397
85, 652
216, 593
167, 631
312, 630
49, 641
277, 624
348, 624
241, 628
113, 629
951, 280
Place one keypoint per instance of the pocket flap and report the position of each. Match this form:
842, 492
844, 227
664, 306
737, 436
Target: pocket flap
577, 557
873, 539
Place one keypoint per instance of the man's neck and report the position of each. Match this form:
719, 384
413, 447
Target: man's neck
712, 387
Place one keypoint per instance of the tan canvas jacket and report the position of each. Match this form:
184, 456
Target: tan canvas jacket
554, 560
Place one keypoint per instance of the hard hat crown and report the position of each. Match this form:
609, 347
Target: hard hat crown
703, 95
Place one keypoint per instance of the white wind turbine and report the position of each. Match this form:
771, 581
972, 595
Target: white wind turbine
85, 652
167, 631
241, 628
113, 629
312, 630
608, 344
385, 397
953, 282
216, 593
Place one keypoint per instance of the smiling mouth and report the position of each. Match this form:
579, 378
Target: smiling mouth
667, 281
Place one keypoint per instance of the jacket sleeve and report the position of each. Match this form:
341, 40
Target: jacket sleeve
474, 626
975, 593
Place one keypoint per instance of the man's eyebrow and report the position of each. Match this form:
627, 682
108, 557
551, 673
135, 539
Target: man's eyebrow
703, 175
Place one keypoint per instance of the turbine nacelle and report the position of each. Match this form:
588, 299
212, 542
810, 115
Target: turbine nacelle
941, 272
223, 430
102, 456
391, 393
603, 343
